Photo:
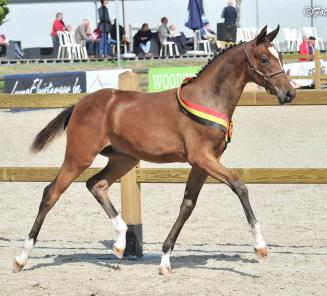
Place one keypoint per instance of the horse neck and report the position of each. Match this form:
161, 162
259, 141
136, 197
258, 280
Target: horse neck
220, 86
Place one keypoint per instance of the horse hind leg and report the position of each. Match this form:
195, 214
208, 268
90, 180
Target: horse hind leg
119, 164
67, 174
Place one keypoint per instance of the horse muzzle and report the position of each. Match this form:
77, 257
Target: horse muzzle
286, 97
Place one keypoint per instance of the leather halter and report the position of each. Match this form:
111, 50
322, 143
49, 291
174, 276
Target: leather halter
266, 76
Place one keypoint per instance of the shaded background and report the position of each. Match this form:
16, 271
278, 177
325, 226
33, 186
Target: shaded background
31, 21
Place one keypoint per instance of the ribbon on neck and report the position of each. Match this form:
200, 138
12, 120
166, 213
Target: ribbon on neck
202, 114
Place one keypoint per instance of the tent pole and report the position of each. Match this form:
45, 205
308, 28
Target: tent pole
257, 16
123, 9
117, 33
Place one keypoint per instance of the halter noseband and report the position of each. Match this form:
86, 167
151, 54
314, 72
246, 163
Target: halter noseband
266, 77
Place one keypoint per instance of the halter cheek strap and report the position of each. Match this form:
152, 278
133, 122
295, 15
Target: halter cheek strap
266, 76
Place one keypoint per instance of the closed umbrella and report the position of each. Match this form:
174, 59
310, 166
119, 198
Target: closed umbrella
196, 17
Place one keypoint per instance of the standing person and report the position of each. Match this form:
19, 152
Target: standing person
142, 39
83, 36
58, 26
304, 48
104, 27
229, 15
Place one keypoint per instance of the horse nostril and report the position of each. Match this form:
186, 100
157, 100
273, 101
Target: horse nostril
290, 95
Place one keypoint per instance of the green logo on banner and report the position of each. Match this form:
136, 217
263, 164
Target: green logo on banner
161, 79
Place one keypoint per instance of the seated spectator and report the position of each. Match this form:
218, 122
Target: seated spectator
4, 42
96, 37
163, 31
207, 34
304, 48
122, 35
171, 34
312, 45
142, 39
58, 26
83, 36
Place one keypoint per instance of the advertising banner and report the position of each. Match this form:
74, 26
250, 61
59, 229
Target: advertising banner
161, 79
96, 80
46, 83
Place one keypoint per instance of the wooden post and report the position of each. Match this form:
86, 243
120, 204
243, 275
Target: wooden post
131, 191
128, 81
317, 70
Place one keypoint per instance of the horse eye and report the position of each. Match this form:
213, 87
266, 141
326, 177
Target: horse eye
264, 60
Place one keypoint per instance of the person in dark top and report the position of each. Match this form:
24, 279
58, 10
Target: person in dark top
104, 27
312, 45
229, 14
122, 35
142, 39
113, 31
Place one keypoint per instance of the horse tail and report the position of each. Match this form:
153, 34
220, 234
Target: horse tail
54, 128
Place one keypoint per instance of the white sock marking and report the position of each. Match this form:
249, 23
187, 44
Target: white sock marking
274, 52
120, 228
27, 249
259, 240
165, 259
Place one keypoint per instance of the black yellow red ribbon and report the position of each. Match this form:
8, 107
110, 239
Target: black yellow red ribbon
204, 115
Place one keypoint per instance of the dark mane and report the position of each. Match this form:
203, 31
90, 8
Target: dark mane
216, 56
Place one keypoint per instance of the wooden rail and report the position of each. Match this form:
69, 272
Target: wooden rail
260, 98
177, 175
317, 77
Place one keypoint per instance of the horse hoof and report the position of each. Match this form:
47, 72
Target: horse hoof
17, 267
165, 270
119, 253
261, 252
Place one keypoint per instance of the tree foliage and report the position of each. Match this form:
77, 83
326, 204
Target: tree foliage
4, 10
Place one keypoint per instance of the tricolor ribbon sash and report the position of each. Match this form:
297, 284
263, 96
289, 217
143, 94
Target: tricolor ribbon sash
202, 114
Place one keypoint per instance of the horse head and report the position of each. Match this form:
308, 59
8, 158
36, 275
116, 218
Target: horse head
266, 68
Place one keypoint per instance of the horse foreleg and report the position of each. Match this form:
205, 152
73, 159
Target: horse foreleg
194, 184
219, 172
119, 164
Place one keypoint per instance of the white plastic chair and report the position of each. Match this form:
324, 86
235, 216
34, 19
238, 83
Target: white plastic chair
78, 51
65, 49
291, 36
248, 34
240, 35
312, 31
168, 46
205, 43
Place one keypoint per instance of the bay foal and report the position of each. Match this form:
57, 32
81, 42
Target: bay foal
130, 126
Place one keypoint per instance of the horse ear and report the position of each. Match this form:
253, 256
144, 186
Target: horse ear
272, 35
262, 36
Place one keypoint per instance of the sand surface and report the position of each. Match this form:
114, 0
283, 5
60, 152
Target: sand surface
214, 252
